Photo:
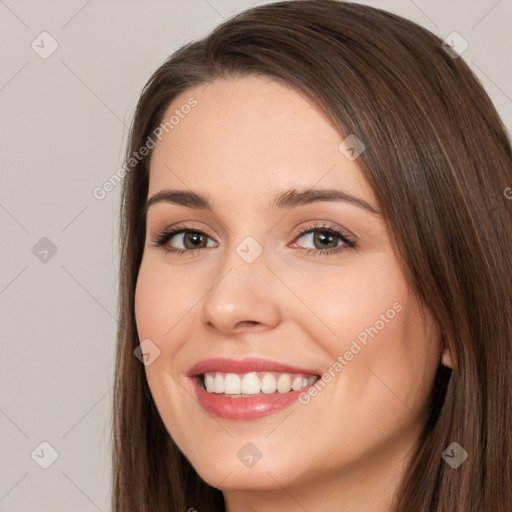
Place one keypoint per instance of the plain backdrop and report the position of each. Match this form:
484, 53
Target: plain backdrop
63, 127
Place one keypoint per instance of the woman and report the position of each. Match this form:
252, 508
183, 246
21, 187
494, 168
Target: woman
279, 373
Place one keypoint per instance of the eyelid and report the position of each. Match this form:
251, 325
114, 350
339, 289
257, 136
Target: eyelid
298, 231
186, 226
324, 224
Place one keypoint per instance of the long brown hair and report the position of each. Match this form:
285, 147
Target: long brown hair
439, 160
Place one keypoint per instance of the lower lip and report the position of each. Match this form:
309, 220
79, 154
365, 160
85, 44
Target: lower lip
245, 408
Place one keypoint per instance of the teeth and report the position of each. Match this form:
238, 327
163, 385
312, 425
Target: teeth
219, 384
209, 382
268, 383
250, 384
254, 383
284, 383
232, 384
297, 383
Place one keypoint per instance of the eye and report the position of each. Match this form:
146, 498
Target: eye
325, 239
187, 240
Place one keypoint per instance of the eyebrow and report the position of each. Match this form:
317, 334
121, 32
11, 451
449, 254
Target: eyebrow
287, 199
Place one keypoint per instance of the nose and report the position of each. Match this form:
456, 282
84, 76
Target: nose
242, 296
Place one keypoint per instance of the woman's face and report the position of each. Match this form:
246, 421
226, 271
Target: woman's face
247, 285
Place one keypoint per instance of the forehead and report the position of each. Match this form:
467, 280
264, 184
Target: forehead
251, 136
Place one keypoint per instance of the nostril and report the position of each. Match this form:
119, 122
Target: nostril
247, 323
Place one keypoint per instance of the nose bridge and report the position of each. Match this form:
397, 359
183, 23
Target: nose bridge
241, 290
247, 249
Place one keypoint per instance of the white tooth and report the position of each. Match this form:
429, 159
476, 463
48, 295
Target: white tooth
219, 383
209, 382
232, 384
268, 383
250, 384
297, 383
284, 383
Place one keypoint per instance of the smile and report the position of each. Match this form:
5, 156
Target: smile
248, 389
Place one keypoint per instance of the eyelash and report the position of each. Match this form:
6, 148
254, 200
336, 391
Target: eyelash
161, 239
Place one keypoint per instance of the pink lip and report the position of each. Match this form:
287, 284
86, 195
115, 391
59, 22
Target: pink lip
245, 366
244, 408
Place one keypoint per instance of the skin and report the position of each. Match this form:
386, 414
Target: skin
346, 449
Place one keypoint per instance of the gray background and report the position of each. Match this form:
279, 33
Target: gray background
63, 128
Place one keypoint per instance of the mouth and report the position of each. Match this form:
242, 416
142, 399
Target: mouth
248, 389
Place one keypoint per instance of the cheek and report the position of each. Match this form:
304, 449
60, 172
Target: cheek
162, 298
160, 314
372, 326
360, 302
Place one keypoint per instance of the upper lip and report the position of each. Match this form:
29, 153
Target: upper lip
247, 365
